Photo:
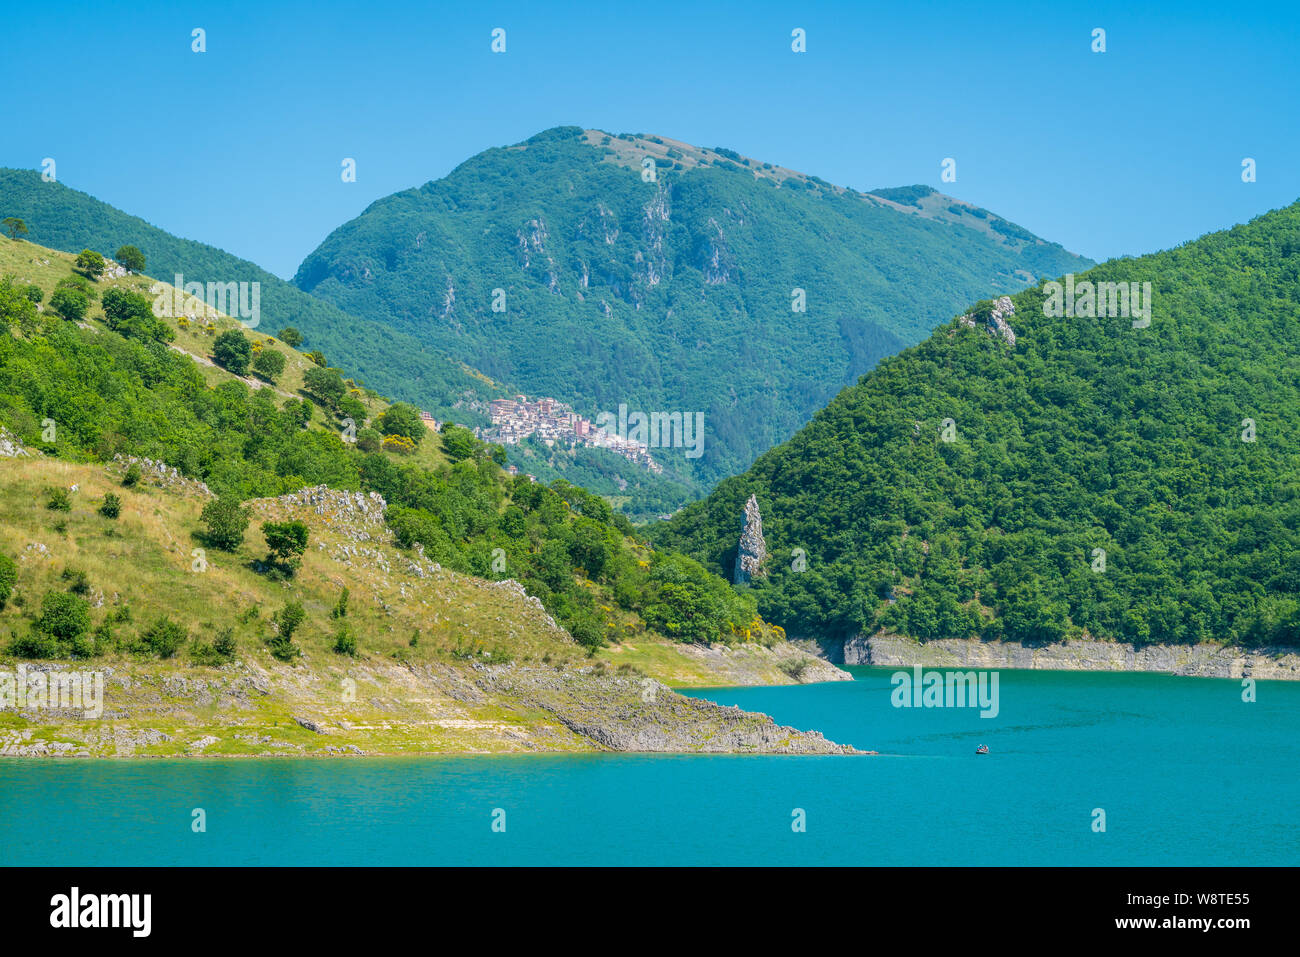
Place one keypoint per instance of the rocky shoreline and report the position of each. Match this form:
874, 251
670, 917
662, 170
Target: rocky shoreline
249, 710
1204, 660
495, 673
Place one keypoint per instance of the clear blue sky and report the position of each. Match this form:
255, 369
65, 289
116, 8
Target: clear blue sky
1129, 151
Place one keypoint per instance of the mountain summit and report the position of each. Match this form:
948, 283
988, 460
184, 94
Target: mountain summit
607, 270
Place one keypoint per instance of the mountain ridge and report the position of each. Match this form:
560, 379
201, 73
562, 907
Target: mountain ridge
917, 199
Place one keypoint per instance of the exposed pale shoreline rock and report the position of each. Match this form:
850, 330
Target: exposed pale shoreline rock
521, 684
249, 709
1204, 660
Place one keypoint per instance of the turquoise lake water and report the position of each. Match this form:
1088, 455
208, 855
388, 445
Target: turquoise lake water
1186, 772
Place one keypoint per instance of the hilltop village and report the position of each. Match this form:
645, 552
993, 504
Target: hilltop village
514, 420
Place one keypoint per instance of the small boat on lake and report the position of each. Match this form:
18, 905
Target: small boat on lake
982, 749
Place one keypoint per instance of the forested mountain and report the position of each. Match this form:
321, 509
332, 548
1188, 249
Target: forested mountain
385, 359
1135, 481
606, 270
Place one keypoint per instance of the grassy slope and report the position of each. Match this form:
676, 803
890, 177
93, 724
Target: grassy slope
430, 697
144, 560
419, 698
30, 263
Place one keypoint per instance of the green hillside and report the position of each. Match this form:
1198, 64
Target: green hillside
441, 662
671, 295
92, 390
63, 218
1137, 483
244, 581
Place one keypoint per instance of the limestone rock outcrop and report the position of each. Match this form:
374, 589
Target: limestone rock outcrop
10, 447
997, 320
753, 549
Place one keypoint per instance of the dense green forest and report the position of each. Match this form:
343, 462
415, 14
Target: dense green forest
671, 294
633, 489
384, 358
109, 393
1138, 483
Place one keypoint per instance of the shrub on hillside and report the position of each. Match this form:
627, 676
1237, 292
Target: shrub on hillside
399, 444
345, 643
232, 351
368, 440
288, 618
105, 637
352, 408
89, 263
81, 284
286, 542
224, 644
77, 581
162, 638
131, 258
326, 386
286, 621
298, 411
64, 616
586, 631
70, 304
8, 576
402, 418
16, 307
269, 364
220, 652
131, 314
35, 644
458, 442
226, 520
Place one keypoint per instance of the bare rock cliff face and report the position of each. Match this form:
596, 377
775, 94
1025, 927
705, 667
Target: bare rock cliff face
1205, 660
753, 549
